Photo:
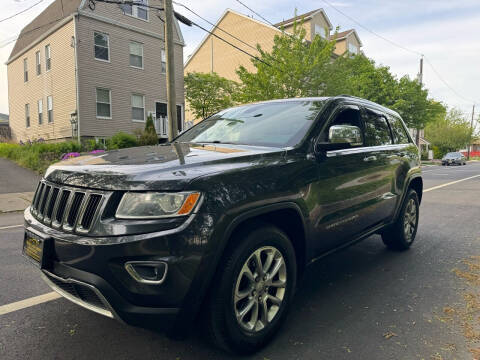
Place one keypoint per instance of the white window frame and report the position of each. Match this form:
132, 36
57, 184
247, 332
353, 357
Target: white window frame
131, 107
40, 111
163, 55
134, 13
50, 119
109, 99
48, 58
25, 70
350, 45
28, 120
38, 63
321, 31
129, 53
108, 46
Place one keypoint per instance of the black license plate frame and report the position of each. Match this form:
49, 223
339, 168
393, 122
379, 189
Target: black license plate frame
36, 249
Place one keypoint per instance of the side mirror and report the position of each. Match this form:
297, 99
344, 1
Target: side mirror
345, 134
342, 137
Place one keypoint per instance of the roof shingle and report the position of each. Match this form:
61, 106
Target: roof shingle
48, 18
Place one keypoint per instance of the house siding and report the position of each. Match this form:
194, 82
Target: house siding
59, 83
121, 79
227, 59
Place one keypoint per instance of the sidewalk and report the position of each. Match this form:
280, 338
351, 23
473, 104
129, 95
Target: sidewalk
12, 202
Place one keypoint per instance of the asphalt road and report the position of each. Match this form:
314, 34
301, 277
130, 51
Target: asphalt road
361, 303
15, 179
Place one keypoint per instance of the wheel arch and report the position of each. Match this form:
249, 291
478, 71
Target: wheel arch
286, 216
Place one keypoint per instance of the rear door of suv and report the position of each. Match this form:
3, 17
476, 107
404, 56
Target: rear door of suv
385, 158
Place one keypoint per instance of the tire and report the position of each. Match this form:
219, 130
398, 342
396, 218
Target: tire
401, 234
245, 336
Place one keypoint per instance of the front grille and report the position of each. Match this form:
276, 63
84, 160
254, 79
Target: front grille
66, 207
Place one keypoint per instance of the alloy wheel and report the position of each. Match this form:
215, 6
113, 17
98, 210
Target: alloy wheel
410, 220
260, 289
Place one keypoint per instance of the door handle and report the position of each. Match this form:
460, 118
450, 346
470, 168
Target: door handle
370, 158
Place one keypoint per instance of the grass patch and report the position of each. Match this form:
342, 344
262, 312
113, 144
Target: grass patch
37, 156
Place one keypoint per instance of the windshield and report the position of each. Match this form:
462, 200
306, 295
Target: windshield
279, 124
453, 155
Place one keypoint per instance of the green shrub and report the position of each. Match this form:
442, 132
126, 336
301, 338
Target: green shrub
149, 125
424, 155
121, 140
148, 138
37, 156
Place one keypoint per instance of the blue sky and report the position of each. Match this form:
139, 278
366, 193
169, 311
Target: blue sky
446, 31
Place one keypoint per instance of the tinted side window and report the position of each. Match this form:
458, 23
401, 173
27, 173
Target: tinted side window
377, 131
399, 131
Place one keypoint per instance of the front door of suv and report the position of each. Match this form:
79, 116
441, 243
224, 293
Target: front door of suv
344, 193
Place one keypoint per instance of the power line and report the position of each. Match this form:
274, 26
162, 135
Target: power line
229, 43
187, 21
400, 47
373, 32
21, 12
22, 34
446, 84
253, 11
215, 26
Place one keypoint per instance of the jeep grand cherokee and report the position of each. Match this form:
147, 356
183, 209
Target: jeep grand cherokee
222, 221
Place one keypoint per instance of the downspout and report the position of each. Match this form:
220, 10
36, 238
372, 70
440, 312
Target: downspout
76, 73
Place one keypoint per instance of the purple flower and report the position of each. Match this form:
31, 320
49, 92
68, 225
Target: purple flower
99, 151
70, 155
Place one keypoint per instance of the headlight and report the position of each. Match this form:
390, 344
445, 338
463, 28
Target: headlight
153, 205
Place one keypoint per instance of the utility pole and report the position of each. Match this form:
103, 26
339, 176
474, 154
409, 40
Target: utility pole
420, 80
169, 49
471, 127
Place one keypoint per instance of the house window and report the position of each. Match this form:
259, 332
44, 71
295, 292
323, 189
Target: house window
50, 108
104, 104
27, 115
48, 60
102, 51
25, 70
140, 12
40, 111
38, 62
164, 61
352, 48
138, 107
136, 55
320, 30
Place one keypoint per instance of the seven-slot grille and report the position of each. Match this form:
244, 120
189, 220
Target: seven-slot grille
69, 208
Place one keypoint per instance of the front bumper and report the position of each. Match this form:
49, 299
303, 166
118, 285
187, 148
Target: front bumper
94, 275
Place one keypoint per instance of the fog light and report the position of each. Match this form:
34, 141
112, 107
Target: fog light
147, 272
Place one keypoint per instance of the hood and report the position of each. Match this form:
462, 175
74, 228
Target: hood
161, 167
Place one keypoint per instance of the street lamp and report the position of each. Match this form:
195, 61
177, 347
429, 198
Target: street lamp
74, 123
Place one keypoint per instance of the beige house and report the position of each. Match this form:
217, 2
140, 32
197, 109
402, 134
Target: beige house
102, 69
214, 55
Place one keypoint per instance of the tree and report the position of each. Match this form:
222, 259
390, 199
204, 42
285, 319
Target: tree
208, 93
294, 68
359, 76
413, 104
450, 133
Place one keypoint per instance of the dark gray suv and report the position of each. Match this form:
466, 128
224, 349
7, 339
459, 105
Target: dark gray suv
220, 224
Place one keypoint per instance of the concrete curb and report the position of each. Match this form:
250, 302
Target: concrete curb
12, 202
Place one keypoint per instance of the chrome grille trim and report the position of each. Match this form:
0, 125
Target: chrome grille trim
67, 208
102, 306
